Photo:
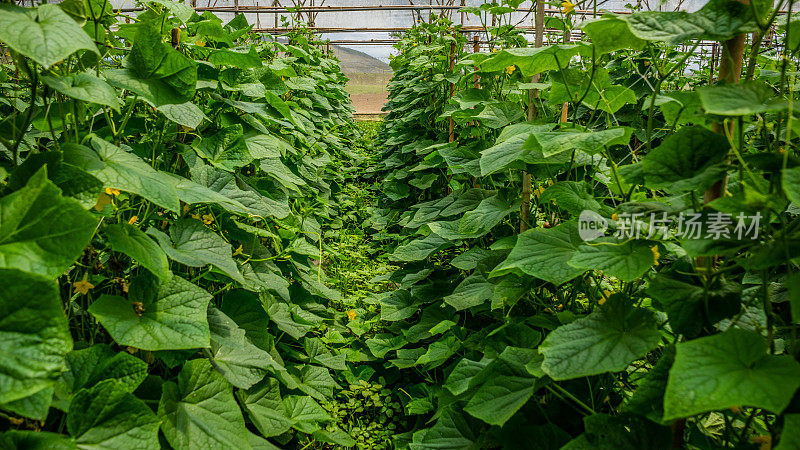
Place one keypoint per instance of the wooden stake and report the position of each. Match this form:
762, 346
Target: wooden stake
176, 38
730, 71
525, 209
451, 123
476, 47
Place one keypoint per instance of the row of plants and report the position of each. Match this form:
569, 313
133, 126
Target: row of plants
595, 247
167, 185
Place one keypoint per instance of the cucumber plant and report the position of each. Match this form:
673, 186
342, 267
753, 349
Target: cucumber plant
650, 299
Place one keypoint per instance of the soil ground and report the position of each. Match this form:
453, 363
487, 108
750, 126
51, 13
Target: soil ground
368, 92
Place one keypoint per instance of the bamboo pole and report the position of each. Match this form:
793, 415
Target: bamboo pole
476, 47
525, 209
729, 71
450, 123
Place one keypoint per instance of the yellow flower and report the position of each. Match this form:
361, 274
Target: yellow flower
567, 7
656, 255
133, 220
351, 314
615, 216
200, 43
82, 286
208, 219
494, 50
238, 251
510, 69
538, 191
196, 216
112, 191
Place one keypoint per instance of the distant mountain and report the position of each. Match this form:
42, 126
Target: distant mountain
354, 61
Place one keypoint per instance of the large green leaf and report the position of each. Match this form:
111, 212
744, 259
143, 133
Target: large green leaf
532, 60
41, 231
486, 216
240, 58
304, 412
741, 99
554, 142
34, 336
718, 20
108, 416
155, 62
181, 10
154, 92
233, 355
133, 242
170, 315
45, 34
648, 398
286, 316
473, 291
690, 306
610, 98
90, 366
620, 432
187, 114
499, 114
419, 249
190, 242
571, 196
274, 168
790, 437
791, 184
85, 87
246, 309
607, 340
36, 440
200, 411
451, 431
465, 370
398, 305
610, 33
544, 253
507, 386
191, 193
36, 406
508, 149
120, 169
226, 148
686, 161
265, 408
726, 370
626, 260
234, 188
